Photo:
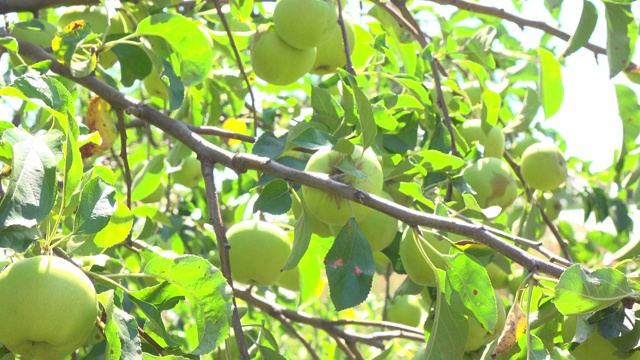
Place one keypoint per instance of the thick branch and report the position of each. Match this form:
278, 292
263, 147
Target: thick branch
243, 162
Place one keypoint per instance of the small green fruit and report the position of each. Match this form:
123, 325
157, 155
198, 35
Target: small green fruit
190, 174
277, 62
492, 181
518, 148
499, 278
379, 228
544, 167
334, 210
414, 263
319, 228
305, 24
478, 336
258, 252
492, 140
405, 310
331, 54
290, 279
552, 206
48, 308
156, 195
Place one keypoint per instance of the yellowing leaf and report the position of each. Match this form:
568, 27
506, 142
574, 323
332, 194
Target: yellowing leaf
515, 326
99, 119
236, 126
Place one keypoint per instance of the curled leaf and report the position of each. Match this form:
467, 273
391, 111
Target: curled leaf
514, 328
99, 119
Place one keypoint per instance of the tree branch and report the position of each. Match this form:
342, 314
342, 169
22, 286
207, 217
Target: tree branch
241, 162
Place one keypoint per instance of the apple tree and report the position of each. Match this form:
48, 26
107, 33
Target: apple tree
309, 179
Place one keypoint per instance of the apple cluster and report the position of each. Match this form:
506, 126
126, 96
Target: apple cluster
543, 166
305, 38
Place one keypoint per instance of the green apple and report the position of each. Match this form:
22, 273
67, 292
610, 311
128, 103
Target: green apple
414, 263
277, 62
379, 228
290, 279
381, 261
499, 278
190, 174
544, 167
474, 92
319, 228
331, 54
258, 252
518, 147
478, 336
552, 205
35, 31
305, 24
328, 207
492, 139
48, 308
597, 347
405, 310
492, 181
515, 280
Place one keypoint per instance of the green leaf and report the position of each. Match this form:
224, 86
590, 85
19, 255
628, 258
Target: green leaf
186, 39
537, 351
629, 111
367, 122
31, 193
97, 205
349, 267
18, 238
490, 107
479, 46
416, 89
148, 179
622, 32
550, 82
579, 293
302, 232
268, 145
146, 356
449, 328
205, 289
134, 63
154, 315
44, 92
585, 28
473, 285
313, 139
121, 330
433, 160
117, 229
274, 198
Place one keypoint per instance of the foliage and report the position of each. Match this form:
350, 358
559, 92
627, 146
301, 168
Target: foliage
186, 140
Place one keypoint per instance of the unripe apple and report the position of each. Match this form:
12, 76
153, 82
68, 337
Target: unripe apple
319, 228
552, 206
544, 167
499, 278
305, 24
258, 252
290, 279
518, 148
48, 308
492, 140
379, 228
405, 310
478, 336
156, 195
492, 181
331, 54
190, 174
414, 263
334, 210
277, 62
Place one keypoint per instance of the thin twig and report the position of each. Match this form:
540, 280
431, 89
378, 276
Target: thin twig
125, 161
236, 53
213, 204
345, 39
